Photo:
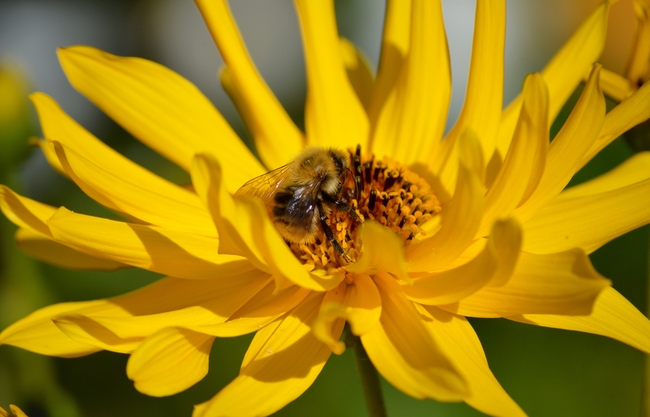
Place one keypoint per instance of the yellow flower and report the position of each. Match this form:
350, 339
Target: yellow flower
476, 225
638, 67
15, 412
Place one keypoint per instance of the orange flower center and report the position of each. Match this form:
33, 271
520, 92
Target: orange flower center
389, 193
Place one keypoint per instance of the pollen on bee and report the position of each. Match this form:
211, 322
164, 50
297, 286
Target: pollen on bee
389, 193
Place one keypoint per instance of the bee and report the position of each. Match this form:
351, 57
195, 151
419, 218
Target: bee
299, 196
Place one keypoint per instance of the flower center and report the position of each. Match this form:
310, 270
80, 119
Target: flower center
388, 192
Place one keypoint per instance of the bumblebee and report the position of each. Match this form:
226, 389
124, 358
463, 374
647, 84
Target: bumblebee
299, 196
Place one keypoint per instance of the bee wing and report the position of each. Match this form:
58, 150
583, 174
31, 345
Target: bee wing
301, 209
266, 185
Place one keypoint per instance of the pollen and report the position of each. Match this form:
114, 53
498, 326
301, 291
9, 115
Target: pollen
381, 190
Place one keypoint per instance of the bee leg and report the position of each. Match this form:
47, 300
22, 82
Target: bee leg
329, 233
358, 173
341, 205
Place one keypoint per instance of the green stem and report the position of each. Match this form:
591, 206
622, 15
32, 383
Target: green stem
369, 378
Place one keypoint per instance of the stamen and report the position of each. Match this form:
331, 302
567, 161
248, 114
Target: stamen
381, 190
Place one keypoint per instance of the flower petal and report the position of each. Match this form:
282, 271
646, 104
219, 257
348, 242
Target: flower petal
564, 72
363, 305
37, 333
359, 73
15, 412
160, 108
360, 302
484, 96
632, 111
330, 317
383, 251
283, 360
58, 126
334, 115
263, 308
45, 249
270, 302
568, 222
417, 106
394, 48
156, 249
615, 86
565, 152
169, 361
559, 283
129, 196
260, 109
457, 338
494, 264
404, 351
524, 163
25, 212
245, 229
460, 222
637, 68
120, 324
613, 316
632, 170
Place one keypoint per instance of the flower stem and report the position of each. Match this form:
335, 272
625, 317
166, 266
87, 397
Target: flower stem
369, 377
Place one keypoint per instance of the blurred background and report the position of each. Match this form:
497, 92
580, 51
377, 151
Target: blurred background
548, 372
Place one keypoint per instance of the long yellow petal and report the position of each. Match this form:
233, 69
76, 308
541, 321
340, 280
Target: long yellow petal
412, 120
156, 249
270, 302
125, 334
334, 115
632, 170
639, 66
629, 113
615, 86
45, 249
169, 361
494, 264
460, 222
58, 126
360, 75
15, 412
484, 96
128, 196
559, 283
524, 163
120, 324
37, 333
406, 354
564, 72
265, 306
462, 346
245, 229
568, 222
276, 137
281, 363
613, 316
568, 147
394, 48
160, 108
25, 212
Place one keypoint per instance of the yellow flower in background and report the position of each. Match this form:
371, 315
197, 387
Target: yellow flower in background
15, 412
638, 67
477, 224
